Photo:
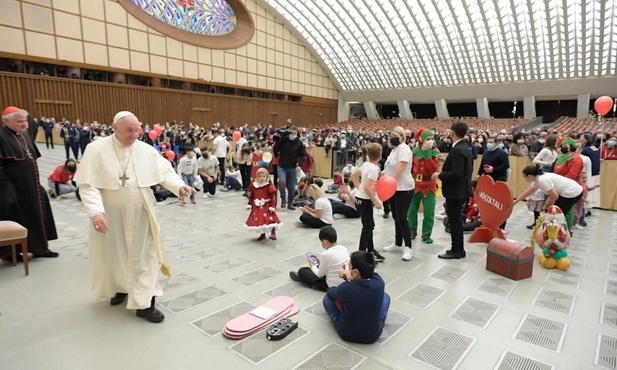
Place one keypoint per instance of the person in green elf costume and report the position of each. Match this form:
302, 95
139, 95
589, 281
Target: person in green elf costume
426, 160
569, 164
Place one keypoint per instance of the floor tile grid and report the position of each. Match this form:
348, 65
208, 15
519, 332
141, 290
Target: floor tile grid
403, 281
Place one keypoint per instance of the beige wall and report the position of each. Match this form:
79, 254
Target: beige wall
101, 32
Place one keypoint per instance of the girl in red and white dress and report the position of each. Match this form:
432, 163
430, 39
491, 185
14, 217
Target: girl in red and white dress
262, 203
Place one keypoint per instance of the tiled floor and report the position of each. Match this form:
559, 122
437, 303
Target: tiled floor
444, 314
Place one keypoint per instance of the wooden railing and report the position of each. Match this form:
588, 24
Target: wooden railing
100, 101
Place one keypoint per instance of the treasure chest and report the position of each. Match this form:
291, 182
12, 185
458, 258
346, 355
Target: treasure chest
510, 259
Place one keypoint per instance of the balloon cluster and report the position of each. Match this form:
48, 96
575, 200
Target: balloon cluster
156, 131
552, 235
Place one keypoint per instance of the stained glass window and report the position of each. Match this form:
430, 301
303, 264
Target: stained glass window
202, 17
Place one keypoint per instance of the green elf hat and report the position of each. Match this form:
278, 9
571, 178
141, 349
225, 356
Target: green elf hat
567, 141
424, 133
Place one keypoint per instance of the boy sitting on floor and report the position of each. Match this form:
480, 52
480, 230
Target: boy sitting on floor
359, 306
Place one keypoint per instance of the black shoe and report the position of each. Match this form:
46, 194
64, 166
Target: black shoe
530, 226
378, 257
49, 254
151, 314
582, 223
283, 204
119, 298
386, 215
294, 276
463, 254
449, 255
291, 208
588, 213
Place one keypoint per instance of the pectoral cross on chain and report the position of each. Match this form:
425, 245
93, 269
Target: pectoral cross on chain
123, 178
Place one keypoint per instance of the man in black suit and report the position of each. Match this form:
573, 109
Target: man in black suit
456, 187
48, 127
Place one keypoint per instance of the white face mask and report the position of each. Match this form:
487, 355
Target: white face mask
520, 141
541, 141
480, 140
430, 143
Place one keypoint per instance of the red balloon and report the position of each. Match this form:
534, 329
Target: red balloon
159, 130
153, 135
170, 155
603, 105
236, 135
385, 188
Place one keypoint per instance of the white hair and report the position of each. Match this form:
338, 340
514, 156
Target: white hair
122, 114
11, 116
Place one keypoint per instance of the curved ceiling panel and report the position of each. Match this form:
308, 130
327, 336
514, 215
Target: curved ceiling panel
397, 44
216, 24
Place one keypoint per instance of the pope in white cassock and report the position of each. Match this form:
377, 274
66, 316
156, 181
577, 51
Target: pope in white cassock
124, 245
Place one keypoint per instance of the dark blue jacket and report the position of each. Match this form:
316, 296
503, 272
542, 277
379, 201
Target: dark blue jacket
594, 154
500, 162
84, 136
362, 301
48, 127
68, 134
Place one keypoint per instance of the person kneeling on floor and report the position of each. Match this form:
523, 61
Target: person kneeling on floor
61, 180
324, 274
358, 307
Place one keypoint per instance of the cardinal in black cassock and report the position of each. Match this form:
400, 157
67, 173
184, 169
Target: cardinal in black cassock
22, 198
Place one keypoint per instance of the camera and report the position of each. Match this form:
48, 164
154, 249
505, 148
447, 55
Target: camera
281, 133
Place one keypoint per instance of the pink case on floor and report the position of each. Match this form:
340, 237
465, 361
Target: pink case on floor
237, 335
248, 323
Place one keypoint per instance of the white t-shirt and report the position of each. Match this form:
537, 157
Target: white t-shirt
348, 169
367, 171
239, 144
586, 166
347, 200
208, 165
564, 186
235, 175
221, 146
187, 166
330, 262
400, 153
325, 205
546, 157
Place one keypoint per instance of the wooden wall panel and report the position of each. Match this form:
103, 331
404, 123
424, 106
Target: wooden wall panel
89, 101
